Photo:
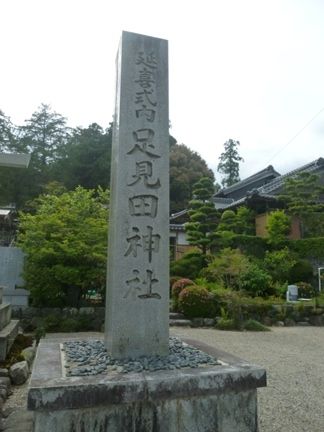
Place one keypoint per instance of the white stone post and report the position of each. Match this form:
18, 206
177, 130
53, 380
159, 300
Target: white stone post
137, 298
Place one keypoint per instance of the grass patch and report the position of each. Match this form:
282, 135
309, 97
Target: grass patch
253, 325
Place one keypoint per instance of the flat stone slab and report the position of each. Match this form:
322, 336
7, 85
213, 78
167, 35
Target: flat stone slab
5, 314
180, 323
201, 396
7, 336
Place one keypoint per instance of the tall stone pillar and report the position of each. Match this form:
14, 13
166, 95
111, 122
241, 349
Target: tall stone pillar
137, 298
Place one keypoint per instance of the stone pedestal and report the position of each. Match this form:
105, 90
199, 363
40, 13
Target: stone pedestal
219, 398
8, 328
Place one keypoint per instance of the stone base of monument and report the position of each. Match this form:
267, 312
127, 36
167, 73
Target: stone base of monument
8, 328
220, 398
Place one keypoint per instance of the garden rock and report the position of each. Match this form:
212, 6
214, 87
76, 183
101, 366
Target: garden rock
289, 322
28, 354
197, 322
4, 372
303, 323
209, 322
267, 321
19, 372
279, 324
317, 320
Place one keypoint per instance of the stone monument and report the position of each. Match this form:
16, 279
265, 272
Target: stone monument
137, 305
123, 393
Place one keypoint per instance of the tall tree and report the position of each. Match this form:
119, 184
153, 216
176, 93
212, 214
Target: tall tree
65, 241
7, 134
44, 136
87, 158
203, 216
186, 168
229, 163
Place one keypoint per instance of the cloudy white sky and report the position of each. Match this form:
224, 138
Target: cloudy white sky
249, 70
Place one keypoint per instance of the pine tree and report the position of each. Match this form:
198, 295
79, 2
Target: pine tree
203, 216
229, 163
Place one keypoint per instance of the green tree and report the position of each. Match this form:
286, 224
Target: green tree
86, 160
227, 268
239, 222
43, 136
229, 163
7, 134
303, 195
278, 227
186, 168
279, 264
203, 216
65, 241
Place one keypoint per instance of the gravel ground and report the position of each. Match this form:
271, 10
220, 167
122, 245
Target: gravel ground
293, 401
293, 357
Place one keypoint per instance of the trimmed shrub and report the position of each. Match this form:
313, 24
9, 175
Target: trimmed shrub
196, 301
227, 268
301, 271
256, 281
253, 325
226, 324
178, 286
189, 266
306, 290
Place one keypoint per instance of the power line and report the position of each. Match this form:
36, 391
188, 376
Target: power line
296, 135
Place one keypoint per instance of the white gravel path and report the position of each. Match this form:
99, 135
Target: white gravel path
293, 357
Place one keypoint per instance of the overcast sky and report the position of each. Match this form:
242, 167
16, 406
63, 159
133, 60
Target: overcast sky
249, 70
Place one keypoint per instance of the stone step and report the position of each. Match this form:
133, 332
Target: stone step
5, 314
179, 323
176, 315
7, 337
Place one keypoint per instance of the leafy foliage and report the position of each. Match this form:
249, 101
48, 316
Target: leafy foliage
302, 270
189, 265
229, 163
239, 222
203, 216
197, 301
227, 267
186, 168
278, 227
256, 281
86, 160
65, 241
279, 264
304, 197
253, 325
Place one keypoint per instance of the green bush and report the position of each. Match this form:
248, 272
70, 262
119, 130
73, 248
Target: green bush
227, 268
53, 323
196, 301
226, 324
279, 264
309, 248
256, 281
173, 279
189, 266
306, 290
70, 325
253, 325
301, 271
178, 286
